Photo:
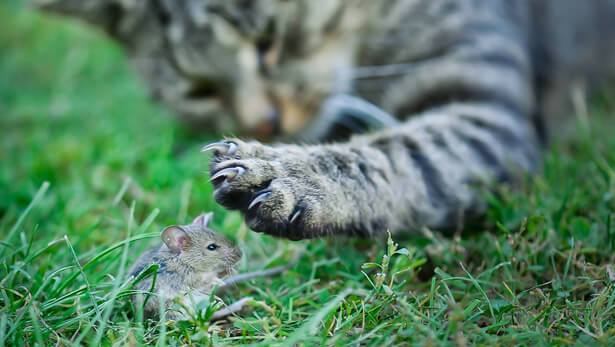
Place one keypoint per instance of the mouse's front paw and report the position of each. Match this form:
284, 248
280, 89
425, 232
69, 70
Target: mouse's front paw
261, 182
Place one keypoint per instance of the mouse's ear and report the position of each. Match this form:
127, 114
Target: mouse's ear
176, 238
204, 219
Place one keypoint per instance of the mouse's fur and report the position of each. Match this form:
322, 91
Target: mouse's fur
186, 265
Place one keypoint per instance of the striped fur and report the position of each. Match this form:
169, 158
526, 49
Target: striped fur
476, 84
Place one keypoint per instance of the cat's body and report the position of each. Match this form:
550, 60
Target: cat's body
476, 85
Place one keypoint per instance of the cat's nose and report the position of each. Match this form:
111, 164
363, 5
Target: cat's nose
270, 126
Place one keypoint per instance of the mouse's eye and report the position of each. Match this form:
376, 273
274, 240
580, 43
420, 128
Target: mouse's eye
212, 247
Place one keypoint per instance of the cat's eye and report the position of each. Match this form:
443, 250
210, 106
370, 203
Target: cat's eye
264, 46
212, 247
203, 89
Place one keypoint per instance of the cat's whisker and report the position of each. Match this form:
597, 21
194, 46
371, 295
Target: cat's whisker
379, 71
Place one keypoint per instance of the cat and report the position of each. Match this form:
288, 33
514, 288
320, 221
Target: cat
404, 108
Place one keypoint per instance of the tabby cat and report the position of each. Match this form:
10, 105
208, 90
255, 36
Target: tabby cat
403, 107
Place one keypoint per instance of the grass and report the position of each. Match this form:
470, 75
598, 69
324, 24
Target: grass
92, 171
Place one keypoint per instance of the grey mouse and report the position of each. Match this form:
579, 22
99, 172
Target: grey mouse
192, 260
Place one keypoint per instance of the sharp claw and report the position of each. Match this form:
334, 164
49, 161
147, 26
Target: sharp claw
222, 148
232, 148
258, 199
295, 215
230, 173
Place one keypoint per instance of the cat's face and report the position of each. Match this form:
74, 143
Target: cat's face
260, 67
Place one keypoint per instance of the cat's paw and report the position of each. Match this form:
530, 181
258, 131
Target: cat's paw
277, 191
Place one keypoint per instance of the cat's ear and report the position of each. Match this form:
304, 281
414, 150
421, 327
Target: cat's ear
204, 219
176, 238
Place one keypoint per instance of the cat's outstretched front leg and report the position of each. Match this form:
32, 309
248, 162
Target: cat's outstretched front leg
423, 172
